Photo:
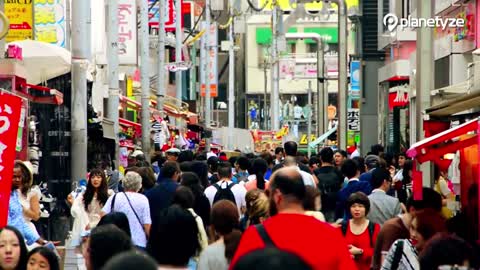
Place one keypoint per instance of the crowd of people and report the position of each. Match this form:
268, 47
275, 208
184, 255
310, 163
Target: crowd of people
270, 210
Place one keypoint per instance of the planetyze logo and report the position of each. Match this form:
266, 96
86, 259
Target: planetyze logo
391, 21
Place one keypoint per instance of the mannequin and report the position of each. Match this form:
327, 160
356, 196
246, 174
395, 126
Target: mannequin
253, 112
286, 110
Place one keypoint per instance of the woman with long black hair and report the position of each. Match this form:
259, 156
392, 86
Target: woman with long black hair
257, 176
87, 207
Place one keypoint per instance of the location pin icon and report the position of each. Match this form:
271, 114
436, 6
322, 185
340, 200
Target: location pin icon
390, 21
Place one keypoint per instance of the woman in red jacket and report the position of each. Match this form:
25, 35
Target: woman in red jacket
360, 233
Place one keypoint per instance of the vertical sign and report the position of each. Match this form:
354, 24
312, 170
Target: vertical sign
353, 119
10, 107
203, 57
355, 77
49, 21
127, 32
20, 15
212, 54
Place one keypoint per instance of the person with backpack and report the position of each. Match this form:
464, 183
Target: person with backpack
330, 181
360, 233
226, 189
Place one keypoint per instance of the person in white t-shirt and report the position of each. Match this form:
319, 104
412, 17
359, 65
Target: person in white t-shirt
307, 178
236, 192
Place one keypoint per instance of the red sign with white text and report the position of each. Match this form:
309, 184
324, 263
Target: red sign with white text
10, 108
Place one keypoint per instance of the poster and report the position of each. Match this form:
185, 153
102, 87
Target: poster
353, 119
10, 107
49, 21
127, 32
20, 14
211, 69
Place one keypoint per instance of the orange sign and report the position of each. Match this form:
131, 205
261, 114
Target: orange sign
213, 90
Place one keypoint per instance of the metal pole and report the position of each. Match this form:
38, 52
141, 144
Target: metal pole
178, 49
68, 22
193, 73
424, 78
342, 75
207, 79
145, 78
265, 120
231, 80
309, 119
274, 94
114, 88
161, 57
81, 21
321, 102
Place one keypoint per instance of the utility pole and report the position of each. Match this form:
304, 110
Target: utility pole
161, 57
322, 115
68, 22
81, 22
309, 118
231, 80
342, 75
178, 49
274, 94
145, 78
207, 78
265, 77
424, 78
114, 88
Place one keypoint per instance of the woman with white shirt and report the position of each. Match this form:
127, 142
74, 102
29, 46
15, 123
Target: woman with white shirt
29, 196
87, 207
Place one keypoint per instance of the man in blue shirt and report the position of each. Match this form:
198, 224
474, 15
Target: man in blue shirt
371, 162
352, 172
161, 196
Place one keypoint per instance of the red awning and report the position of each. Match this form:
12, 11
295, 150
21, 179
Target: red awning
435, 147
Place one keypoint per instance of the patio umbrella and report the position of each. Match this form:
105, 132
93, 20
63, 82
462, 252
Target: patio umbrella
43, 61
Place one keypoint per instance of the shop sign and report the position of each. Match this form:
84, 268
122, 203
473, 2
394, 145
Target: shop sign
355, 77
353, 119
10, 108
127, 32
49, 21
20, 14
285, 5
398, 97
304, 139
211, 70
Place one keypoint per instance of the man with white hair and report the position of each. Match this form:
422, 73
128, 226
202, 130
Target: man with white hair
135, 206
307, 178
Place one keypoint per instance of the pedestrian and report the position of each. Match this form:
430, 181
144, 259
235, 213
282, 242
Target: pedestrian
312, 203
352, 172
201, 205
225, 189
118, 219
87, 207
172, 154
148, 178
103, 243
279, 155
269, 159
399, 227
382, 206
185, 156
288, 228
200, 168
340, 156
330, 182
291, 150
213, 163
242, 165
226, 236
271, 258
257, 207
42, 258
131, 260
308, 179
184, 198
135, 206
160, 197
174, 238
13, 251
360, 233
403, 255
256, 179
401, 159
371, 163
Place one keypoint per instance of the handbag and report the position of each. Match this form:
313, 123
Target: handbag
112, 205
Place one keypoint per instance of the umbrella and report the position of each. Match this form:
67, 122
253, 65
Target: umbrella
43, 61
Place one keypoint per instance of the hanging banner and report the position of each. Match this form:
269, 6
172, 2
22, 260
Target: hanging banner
211, 69
49, 21
355, 78
127, 32
353, 119
20, 14
10, 108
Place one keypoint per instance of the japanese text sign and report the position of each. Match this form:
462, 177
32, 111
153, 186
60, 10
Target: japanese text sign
49, 21
20, 14
353, 119
10, 107
211, 69
127, 32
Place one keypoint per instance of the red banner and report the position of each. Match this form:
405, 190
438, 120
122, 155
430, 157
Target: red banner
10, 108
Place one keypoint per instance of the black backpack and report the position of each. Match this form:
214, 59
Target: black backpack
371, 230
224, 193
328, 185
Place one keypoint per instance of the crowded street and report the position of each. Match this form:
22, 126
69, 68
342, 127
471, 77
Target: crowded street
239, 135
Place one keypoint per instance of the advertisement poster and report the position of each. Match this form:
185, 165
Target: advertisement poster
21, 20
211, 69
127, 32
10, 108
49, 21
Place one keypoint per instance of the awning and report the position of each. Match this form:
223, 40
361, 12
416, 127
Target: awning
108, 131
449, 141
460, 104
322, 138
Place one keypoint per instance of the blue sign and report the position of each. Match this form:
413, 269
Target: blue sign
355, 76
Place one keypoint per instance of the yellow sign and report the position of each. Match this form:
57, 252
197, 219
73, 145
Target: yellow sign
20, 15
303, 140
50, 21
314, 5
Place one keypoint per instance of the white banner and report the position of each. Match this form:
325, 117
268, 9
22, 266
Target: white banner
127, 32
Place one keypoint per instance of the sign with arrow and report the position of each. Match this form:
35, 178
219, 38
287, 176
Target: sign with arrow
20, 15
